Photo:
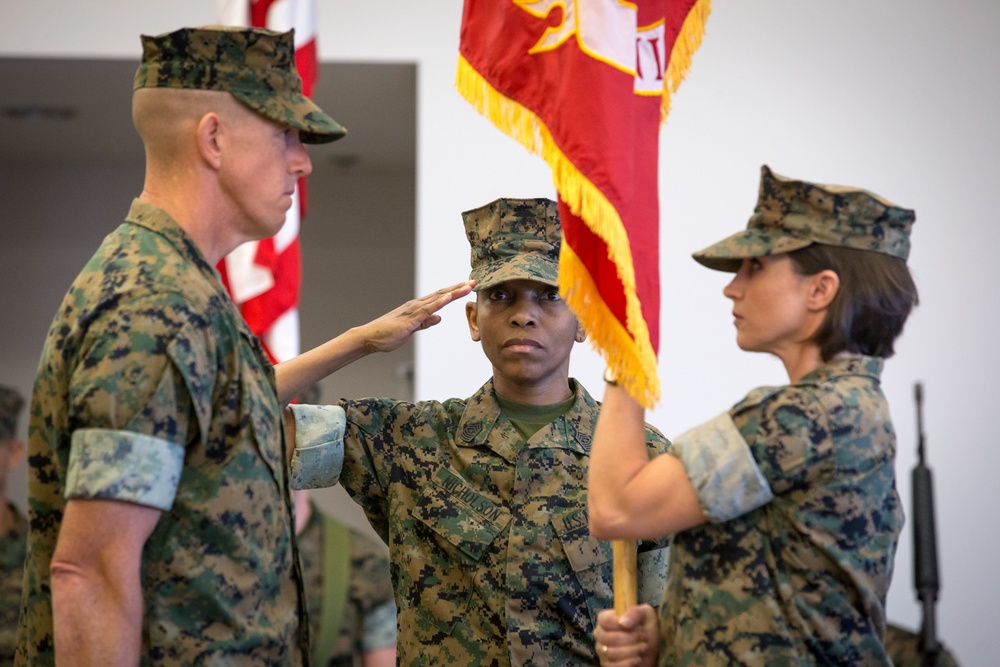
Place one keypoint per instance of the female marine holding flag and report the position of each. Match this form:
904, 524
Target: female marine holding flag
783, 510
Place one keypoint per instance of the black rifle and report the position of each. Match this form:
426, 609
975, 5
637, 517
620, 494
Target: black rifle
925, 563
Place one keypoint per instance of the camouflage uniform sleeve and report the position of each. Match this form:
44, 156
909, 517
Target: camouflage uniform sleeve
131, 403
319, 445
788, 432
380, 432
722, 469
372, 588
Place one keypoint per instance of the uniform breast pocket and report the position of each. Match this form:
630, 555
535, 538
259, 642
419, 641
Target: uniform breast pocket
453, 528
590, 558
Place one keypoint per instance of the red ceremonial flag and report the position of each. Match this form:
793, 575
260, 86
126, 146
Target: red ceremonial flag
264, 276
586, 84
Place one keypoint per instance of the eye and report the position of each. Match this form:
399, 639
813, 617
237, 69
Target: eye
755, 264
498, 294
551, 294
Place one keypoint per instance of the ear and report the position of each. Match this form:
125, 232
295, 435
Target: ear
823, 286
472, 314
208, 139
581, 333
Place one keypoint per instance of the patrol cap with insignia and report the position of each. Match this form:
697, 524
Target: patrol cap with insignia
10, 407
255, 65
792, 214
514, 239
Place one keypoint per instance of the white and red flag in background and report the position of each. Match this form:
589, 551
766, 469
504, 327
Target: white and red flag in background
264, 276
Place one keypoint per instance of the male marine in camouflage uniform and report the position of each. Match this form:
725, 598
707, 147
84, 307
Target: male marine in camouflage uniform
13, 525
482, 501
158, 484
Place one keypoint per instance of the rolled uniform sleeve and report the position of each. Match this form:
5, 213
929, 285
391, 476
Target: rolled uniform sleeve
722, 469
319, 445
379, 629
120, 465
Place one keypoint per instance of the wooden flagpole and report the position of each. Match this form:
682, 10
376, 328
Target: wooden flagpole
624, 575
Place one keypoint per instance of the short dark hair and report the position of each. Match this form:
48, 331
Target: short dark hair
869, 310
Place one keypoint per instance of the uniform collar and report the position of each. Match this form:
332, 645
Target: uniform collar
158, 221
483, 424
856, 364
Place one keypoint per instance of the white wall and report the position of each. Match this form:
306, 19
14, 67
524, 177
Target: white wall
898, 96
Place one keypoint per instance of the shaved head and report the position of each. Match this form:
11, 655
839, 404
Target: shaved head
166, 119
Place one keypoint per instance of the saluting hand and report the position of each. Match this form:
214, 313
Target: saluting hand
390, 331
380, 335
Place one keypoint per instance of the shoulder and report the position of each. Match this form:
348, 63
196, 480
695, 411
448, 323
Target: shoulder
138, 276
374, 410
767, 402
783, 422
831, 390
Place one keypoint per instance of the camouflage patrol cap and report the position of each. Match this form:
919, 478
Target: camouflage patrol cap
514, 239
256, 66
792, 214
10, 406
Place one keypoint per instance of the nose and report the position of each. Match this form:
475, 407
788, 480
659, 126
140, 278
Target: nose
524, 313
298, 159
734, 289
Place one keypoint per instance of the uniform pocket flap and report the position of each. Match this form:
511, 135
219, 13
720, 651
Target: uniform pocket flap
459, 514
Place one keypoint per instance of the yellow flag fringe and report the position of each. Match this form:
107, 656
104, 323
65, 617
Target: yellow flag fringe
635, 363
688, 41
630, 352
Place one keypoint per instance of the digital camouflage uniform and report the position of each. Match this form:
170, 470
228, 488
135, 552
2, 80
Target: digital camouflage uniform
368, 620
13, 546
797, 482
802, 579
152, 390
492, 560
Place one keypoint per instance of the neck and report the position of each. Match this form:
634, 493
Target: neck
192, 203
533, 394
801, 362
